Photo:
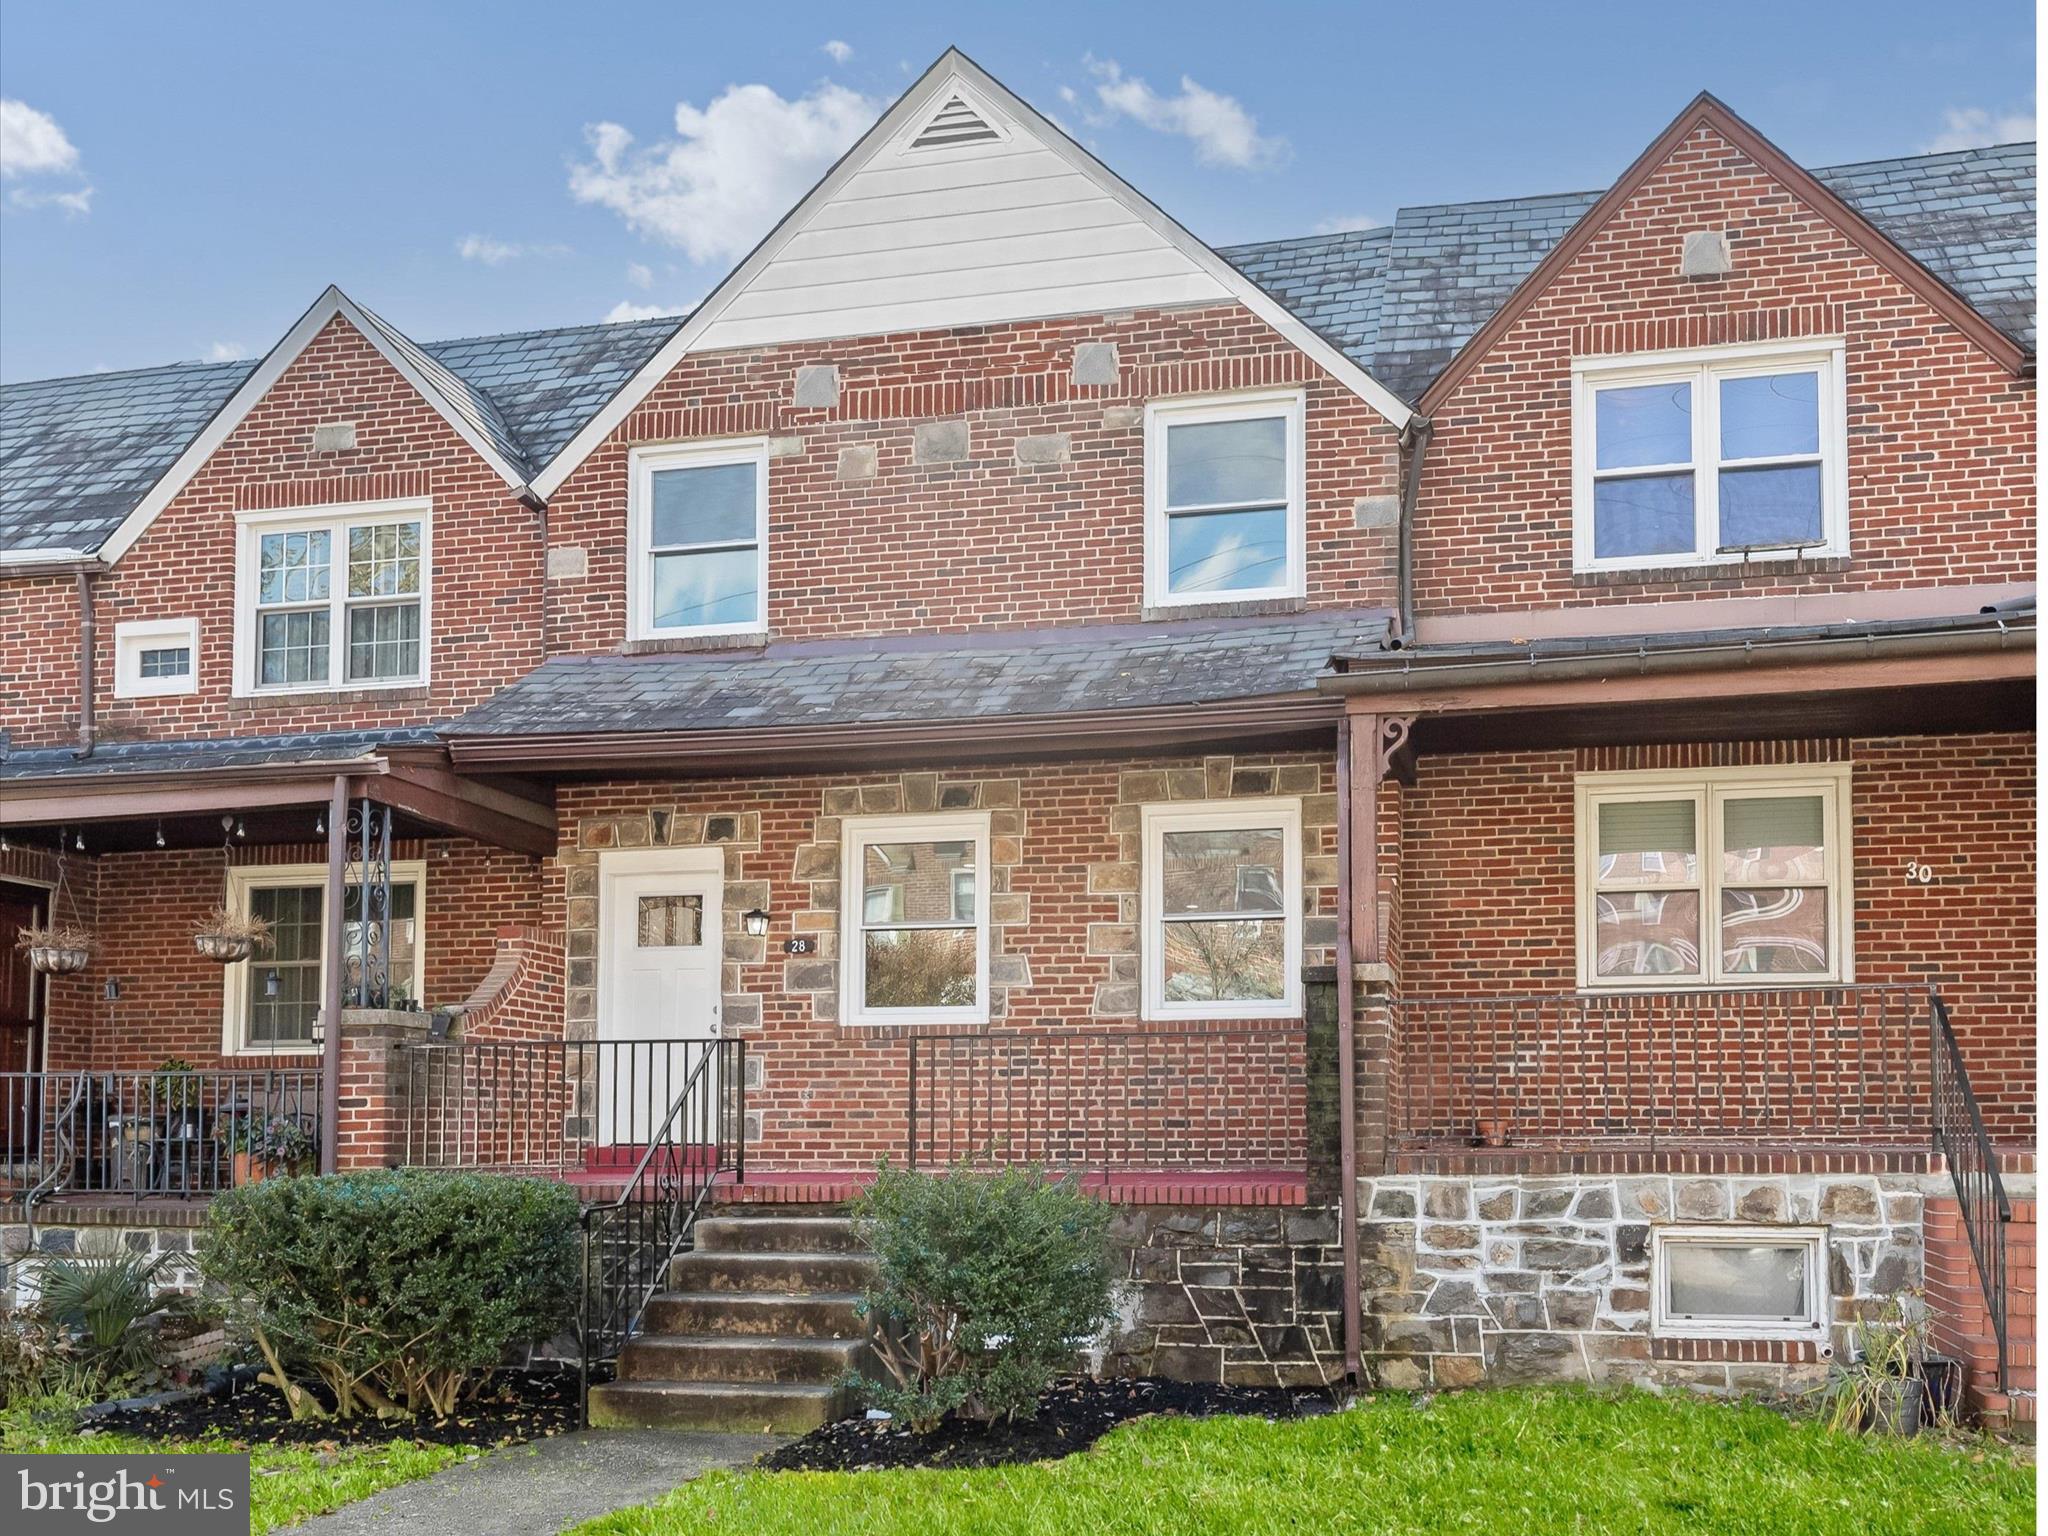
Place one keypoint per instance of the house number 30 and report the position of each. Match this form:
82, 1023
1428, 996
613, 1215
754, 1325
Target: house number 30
1919, 874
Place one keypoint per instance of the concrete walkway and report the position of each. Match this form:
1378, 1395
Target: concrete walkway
544, 1488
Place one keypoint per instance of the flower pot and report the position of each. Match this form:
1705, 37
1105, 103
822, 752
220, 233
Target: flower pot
1944, 1377
250, 1169
58, 959
1899, 1406
227, 948
1493, 1133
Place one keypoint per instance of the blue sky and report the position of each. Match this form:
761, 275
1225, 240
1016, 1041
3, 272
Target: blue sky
181, 180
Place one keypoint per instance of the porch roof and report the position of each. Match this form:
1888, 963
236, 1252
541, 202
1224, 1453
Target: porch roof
1252, 674
329, 749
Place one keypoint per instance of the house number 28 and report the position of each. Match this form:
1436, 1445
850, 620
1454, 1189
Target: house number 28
1919, 874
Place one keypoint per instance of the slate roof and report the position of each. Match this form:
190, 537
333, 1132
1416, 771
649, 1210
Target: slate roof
110, 759
1402, 306
77, 453
918, 678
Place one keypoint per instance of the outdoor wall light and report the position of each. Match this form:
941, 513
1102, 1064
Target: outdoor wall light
270, 985
755, 922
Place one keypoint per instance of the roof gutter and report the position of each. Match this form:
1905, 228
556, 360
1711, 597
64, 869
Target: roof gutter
1414, 673
1414, 448
48, 562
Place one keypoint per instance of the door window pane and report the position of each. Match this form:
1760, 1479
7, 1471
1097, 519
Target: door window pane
1643, 515
1771, 416
1773, 837
1780, 505
1222, 871
1647, 933
671, 922
1224, 960
1226, 463
919, 968
719, 586
707, 504
1653, 842
1226, 551
1642, 424
1760, 1283
1781, 932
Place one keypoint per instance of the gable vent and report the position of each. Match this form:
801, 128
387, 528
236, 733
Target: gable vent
956, 123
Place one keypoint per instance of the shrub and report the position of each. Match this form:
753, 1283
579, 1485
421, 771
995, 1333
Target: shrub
393, 1289
984, 1285
104, 1300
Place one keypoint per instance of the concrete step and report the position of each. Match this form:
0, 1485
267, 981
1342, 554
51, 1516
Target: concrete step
789, 1361
776, 1234
819, 1315
784, 1274
785, 1409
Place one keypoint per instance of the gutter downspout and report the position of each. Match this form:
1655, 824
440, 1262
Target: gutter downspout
1347, 1067
540, 510
1414, 448
330, 974
88, 639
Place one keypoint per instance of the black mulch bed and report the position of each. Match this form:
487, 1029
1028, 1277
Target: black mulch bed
1074, 1413
511, 1407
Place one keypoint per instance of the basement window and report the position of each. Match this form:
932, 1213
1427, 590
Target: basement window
156, 657
916, 936
1710, 457
1224, 495
1222, 910
1738, 1282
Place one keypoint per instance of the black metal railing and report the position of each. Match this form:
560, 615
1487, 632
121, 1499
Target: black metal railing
1960, 1138
1106, 1100
169, 1134
536, 1106
629, 1240
1832, 1064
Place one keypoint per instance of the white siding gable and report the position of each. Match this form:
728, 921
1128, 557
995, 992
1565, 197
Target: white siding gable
935, 234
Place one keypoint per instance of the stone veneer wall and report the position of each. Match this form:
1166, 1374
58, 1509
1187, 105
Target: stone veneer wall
133, 1228
1507, 1279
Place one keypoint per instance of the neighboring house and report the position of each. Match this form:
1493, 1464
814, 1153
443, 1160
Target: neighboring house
983, 676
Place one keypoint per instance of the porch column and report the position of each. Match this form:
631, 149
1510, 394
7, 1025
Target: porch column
330, 973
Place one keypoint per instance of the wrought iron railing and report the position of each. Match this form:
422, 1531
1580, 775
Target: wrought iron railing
1106, 1100
628, 1241
1829, 1064
1960, 1138
536, 1106
162, 1134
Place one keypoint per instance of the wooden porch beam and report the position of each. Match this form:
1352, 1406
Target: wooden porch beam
330, 972
24, 805
472, 810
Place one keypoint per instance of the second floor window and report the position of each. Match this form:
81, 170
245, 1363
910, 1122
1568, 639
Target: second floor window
337, 600
1711, 457
1224, 490
700, 540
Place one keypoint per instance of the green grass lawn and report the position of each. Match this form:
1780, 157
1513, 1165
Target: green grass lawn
287, 1484
1504, 1463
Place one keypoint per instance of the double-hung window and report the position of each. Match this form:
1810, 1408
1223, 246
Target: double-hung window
1221, 910
1225, 497
336, 599
915, 942
700, 540
1710, 457
1729, 878
273, 999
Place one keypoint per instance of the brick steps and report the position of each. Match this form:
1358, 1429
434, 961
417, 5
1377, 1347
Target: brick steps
756, 1331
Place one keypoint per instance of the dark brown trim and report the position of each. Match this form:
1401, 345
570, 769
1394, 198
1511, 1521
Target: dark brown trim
1705, 110
330, 971
475, 811
783, 747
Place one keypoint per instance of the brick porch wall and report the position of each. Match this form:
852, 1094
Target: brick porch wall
1963, 1326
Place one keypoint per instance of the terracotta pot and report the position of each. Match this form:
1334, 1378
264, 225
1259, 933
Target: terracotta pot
248, 1170
224, 947
58, 959
1493, 1133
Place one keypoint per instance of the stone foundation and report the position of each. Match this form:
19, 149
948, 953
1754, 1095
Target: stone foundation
58, 1231
1501, 1280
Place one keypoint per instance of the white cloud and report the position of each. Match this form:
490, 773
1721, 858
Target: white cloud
493, 253
33, 145
1219, 127
639, 274
1973, 127
733, 168
626, 309
226, 352
839, 52
1338, 223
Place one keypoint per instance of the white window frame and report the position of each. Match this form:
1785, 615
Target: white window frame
1710, 790
1704, 368
336, 521
856, 832
134, 636
1812, 1327
643, 464
242, 879
1218, 816
1160, 415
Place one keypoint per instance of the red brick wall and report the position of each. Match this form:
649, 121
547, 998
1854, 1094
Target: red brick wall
1962, 1325
1487, 880
485, 622
987, 543
1941, 438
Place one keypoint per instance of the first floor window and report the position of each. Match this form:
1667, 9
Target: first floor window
274, 997
1713, 456
1738, 1282
1727, 877
699, 516
1225, 488
1222, 909
337, 601
916, 940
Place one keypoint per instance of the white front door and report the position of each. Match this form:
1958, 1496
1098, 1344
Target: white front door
661, 915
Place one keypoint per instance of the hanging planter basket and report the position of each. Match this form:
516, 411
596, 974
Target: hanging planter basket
227, 948
228, 936
56, 947
57, 958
